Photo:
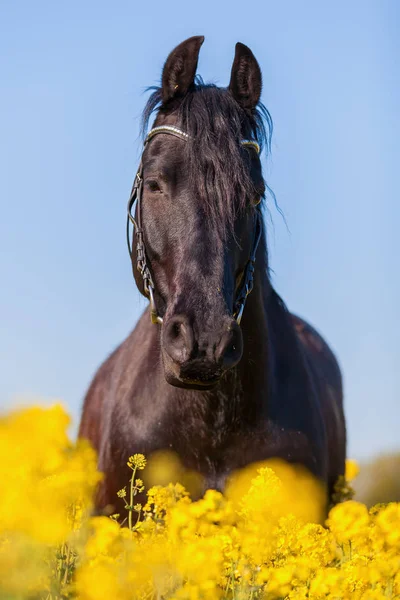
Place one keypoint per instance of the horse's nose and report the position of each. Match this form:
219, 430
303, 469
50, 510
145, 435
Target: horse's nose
223, 347
179, 339
230, 348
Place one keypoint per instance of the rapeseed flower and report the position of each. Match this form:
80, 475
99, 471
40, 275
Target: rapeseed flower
264, 538
137, 461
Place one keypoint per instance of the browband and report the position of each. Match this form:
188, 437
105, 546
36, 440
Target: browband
172, 130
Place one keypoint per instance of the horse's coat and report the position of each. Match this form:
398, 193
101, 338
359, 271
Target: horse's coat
269, 388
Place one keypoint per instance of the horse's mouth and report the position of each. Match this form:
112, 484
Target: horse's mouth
197, 374
192, 384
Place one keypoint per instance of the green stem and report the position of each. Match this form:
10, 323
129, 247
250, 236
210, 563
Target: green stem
67, 565
60, 563
138, 517
131, 493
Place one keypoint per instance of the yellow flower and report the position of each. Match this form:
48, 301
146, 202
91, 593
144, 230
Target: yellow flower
137, 461
99, 579
139, 486
352, 469
388, 524
349, 521
161, 499
326, 582
48, 481
279, 582
262, 539
104, 539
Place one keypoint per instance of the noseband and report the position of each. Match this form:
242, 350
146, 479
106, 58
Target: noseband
141, 263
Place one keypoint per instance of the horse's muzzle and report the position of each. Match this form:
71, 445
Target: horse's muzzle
198, 359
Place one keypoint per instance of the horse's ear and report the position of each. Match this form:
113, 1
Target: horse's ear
245, 84
180, 68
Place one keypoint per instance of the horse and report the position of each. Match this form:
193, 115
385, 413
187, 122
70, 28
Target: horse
217, 370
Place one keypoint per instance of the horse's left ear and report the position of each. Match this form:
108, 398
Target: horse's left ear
245, 84
180, 68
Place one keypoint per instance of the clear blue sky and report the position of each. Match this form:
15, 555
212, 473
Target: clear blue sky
72, 77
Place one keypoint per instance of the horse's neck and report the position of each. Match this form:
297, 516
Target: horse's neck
270, 347
254, 368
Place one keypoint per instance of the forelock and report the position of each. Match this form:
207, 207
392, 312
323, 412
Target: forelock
216, 167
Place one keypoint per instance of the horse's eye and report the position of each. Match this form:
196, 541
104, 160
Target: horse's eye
256, 200
152, 185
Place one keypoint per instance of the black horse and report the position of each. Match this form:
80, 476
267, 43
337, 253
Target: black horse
220, 390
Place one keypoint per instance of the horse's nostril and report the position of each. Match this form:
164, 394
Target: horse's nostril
175, 330
178, 338
230, 347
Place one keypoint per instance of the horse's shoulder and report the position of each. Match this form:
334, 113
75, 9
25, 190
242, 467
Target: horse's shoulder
321, 357
323, 364
311, 339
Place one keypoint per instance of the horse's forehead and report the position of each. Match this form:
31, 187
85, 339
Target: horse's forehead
164, 151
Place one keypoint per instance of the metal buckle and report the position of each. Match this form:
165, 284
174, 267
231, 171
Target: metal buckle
239, 315
155, 317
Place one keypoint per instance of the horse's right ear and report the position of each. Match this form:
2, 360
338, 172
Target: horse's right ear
180, 68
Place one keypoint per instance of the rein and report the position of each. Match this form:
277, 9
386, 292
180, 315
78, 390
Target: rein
141, 262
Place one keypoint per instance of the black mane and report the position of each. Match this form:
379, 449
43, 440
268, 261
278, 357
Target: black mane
215, 123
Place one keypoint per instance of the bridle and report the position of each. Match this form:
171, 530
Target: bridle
141, 262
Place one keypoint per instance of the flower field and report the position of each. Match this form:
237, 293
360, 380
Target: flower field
262, 539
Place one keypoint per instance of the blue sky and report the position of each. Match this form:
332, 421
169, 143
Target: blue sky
72, 84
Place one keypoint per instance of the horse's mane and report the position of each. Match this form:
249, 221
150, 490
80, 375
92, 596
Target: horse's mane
215, 123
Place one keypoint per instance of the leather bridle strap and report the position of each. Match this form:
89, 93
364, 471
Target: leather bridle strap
248, 281
141, 261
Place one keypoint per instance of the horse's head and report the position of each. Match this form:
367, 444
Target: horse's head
198, 212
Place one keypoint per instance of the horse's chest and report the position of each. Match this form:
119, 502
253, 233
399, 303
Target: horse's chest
212, 438
217, 451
